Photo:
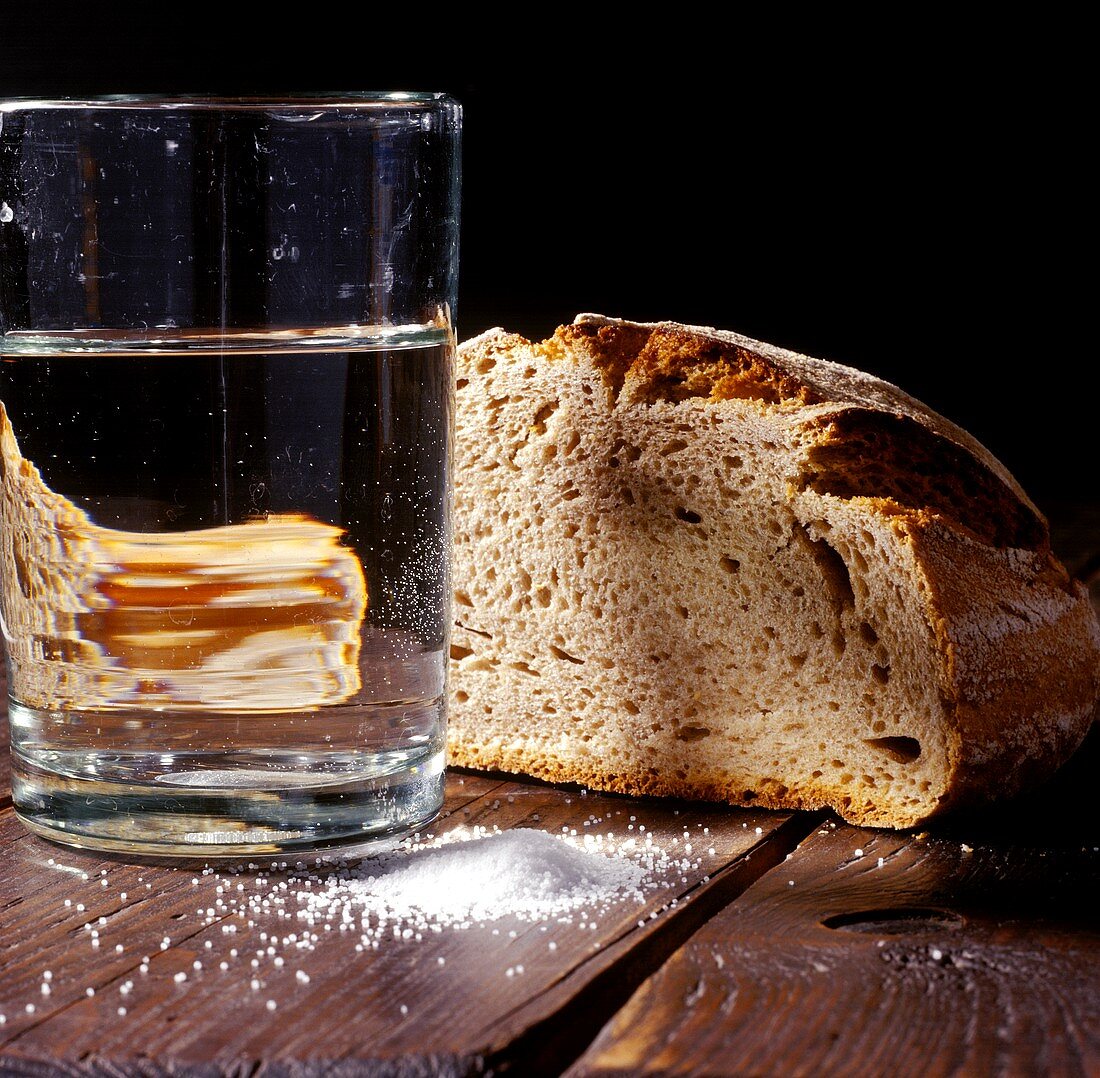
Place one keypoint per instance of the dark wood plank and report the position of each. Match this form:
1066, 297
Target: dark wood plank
881, 953
395, 1008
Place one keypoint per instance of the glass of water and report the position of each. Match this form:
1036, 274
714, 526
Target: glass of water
226, 342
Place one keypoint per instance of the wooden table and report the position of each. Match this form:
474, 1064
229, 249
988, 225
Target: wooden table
798, 945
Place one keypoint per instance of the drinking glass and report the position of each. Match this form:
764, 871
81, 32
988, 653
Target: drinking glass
226, 343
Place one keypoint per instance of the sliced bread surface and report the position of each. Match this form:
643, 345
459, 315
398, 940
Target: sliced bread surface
692, 564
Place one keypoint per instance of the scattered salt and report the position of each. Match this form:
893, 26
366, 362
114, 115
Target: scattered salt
525, 873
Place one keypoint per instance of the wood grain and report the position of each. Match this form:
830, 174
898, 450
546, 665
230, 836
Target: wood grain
877, 953
395, 1008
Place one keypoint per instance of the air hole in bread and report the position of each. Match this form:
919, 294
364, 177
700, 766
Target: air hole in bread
621, 451
572, 440
461, 697
569, 495
631, 708
677, 445
687, 515
731, 565
692, 733
733, 463
462, 383
463, 599
524, 668
560, 653
485, 365
459, 652
542, 415
903, 750
833, 568
683, 611
627, 496
881, 674
542, 597
870, 637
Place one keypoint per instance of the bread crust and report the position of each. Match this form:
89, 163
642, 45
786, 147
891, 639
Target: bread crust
1015, 641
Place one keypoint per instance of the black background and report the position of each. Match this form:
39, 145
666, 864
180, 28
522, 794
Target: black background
911, 199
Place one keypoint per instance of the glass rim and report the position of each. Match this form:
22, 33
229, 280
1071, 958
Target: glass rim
359, 99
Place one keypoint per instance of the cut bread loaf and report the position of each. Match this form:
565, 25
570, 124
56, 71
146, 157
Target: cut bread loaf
692, 564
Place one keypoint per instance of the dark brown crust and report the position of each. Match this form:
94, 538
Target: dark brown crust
1021, 659
860, 453
800, 381
675, 363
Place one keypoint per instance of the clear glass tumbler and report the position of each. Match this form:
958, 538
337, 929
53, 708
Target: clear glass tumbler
226, 395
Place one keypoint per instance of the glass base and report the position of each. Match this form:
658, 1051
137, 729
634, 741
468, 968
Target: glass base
223, 804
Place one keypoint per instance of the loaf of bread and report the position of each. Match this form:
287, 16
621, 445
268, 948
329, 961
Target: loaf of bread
692, 564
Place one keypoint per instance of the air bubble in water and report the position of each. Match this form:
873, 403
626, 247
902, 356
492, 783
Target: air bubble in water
6, 213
